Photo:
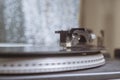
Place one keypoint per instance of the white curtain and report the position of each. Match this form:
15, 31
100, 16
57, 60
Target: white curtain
34, 21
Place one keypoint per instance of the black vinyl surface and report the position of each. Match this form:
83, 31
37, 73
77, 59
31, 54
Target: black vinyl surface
45, 51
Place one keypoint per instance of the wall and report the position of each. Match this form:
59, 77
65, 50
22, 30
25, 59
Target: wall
103, 15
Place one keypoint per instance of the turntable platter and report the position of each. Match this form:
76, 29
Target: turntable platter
36, 59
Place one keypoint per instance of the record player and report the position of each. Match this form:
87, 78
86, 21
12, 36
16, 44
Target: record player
74, 53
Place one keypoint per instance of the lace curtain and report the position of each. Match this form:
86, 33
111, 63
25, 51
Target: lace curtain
34, 21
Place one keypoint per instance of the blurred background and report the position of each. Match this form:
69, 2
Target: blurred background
34, 21
103, 15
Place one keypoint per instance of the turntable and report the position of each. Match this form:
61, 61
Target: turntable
74, 53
